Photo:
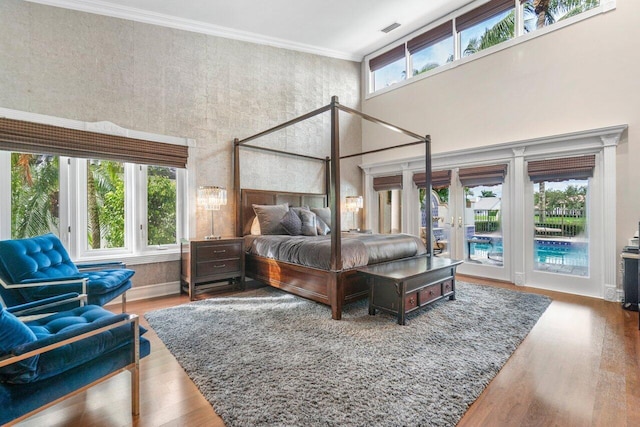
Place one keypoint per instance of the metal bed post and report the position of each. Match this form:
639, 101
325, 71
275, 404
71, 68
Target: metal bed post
428, 232
334, 201
236, 185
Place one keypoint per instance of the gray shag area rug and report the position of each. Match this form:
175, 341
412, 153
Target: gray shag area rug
268, 358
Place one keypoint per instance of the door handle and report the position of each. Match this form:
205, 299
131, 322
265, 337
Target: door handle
459, 222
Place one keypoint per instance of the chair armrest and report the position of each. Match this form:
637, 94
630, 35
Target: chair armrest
47, 303
92, 266
51, 343
32, 283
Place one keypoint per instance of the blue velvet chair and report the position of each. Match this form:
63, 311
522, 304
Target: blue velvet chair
39, 267
45, 360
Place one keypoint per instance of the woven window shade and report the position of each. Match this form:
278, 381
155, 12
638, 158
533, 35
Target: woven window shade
385, 183
439, 179
433, 36
389, 57
483, 175
562, 169
28, 137
482, 13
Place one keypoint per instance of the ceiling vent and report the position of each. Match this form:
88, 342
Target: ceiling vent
390, 28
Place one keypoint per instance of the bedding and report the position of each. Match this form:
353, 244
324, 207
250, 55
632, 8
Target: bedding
315, 251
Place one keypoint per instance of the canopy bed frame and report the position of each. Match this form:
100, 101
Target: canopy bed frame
336, 286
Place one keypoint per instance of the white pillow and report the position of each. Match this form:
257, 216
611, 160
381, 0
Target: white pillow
255, 227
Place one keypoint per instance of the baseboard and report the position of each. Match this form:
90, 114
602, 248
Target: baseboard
150, 291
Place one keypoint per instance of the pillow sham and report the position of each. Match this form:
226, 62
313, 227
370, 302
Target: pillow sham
292, 223
269, 217
323, 213
309, 226
255, 227
322, 227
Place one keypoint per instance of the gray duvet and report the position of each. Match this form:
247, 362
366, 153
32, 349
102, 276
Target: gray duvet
357, 249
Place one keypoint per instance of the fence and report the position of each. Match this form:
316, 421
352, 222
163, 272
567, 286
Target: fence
560, 222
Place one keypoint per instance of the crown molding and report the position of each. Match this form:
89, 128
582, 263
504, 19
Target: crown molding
139, 15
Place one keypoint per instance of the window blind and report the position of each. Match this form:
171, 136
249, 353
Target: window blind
386, 58
482, 13
483, 175
439, 179
385, 183
433, 36
29, 137
562, 169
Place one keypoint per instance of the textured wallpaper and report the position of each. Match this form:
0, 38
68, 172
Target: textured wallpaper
89, 67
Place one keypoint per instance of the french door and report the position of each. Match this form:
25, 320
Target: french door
480, 220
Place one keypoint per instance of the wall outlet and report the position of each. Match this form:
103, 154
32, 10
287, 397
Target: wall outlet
610, 293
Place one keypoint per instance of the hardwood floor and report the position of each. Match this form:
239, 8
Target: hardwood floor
579, 366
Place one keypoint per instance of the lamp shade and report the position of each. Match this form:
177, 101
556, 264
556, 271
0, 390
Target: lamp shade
212, 197
353, 203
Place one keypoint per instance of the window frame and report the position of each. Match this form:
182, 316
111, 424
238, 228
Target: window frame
519, 37
73, 198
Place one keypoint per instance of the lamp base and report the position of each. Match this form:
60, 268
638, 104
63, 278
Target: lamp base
212, 237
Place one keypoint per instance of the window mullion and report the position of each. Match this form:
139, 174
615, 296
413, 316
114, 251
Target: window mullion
135, 201
5, 195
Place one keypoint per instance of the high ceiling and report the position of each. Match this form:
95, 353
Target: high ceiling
347, 29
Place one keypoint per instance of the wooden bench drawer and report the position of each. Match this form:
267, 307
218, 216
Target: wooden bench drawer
411, 301
447, 287
430, 293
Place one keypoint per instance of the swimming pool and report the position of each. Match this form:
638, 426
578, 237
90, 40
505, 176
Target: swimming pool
554, 252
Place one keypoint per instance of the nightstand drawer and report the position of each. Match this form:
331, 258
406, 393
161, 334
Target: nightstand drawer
211, 267
217, 251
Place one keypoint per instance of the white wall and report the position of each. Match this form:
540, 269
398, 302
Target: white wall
584, 76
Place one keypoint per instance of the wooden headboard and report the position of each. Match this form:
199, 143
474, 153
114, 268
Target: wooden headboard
263, 197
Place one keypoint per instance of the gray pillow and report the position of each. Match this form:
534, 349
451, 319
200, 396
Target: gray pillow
322, 227
323, 213
269, 217
309, 226
292, 223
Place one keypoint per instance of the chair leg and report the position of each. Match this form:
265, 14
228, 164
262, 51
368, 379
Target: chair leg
124, 302
135, 371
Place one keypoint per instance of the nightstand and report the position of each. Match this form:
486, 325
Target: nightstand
207, 265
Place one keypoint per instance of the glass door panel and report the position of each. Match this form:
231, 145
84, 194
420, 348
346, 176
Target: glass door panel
561, 241
482, 223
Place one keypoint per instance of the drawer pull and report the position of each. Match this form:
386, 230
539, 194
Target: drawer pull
220, 252
220, 266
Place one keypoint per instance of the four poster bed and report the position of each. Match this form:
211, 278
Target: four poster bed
328, 277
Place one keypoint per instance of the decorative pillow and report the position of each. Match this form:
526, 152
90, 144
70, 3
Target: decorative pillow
308, 223
255, 227
322, 227
323, 214
292, 223
14, 333
269, 217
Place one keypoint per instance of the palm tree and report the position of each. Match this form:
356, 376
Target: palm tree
34, 194
103, 178
502, 31
548, 12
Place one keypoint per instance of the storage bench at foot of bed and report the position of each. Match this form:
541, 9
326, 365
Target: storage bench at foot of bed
401, 286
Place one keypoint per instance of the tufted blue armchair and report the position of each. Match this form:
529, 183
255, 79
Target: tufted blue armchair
39, 267
47, 359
